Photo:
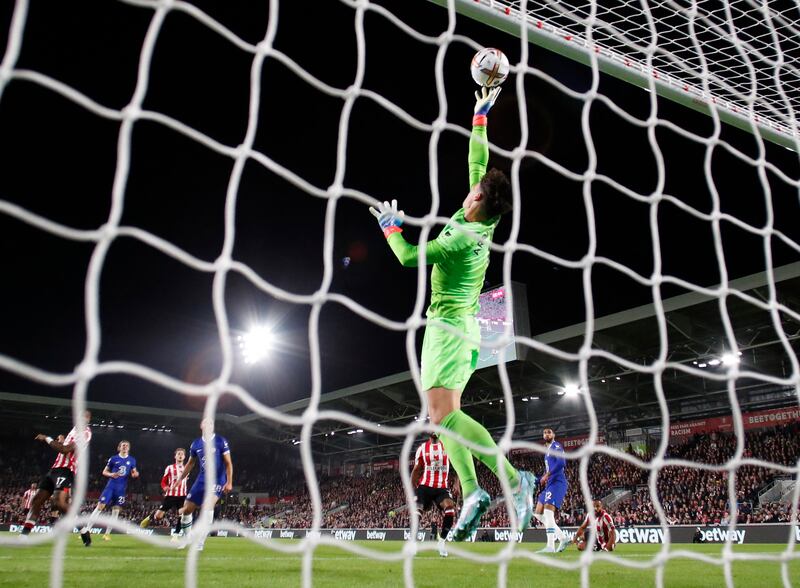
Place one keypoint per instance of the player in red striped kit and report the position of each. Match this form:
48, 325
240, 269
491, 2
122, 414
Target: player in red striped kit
604, 529
173, 497
430, 476
59, 479
27, 497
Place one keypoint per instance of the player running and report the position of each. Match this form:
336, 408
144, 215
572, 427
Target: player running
430, 476
174, 493
27, 497
448, 360
604, 528
58, 481
554, 489
221, 453
119, 468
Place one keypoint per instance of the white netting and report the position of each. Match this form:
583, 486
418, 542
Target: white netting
739, 55
629, 26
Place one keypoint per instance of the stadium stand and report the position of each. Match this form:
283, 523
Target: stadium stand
689, 495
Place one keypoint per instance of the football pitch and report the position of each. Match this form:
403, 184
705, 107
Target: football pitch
126, 562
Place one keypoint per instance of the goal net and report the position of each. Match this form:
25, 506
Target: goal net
652, 149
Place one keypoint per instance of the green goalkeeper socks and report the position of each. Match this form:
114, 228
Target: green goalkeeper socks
461, 457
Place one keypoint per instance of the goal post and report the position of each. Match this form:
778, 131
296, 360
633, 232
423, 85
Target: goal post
619, 50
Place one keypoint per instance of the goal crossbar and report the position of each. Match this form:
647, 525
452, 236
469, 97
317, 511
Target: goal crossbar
770, 112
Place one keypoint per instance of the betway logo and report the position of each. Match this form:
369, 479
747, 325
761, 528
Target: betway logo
407, 535
93, 530
376, 535
717, 535
287, 534
506, 535
640, 536
139, 532
222, 533
346, 535
263, 534
36, 528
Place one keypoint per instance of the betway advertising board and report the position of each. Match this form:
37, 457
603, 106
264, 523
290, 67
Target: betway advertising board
653, 535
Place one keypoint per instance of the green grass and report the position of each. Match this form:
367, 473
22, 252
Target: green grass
126, 562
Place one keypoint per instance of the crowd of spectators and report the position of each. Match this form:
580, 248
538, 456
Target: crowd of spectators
688, 495
701, 496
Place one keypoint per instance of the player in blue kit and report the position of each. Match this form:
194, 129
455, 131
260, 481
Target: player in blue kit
221, 452
554, 488
119, 468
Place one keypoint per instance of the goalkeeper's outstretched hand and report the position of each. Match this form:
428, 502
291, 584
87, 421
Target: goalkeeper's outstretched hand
389, 218
484, 100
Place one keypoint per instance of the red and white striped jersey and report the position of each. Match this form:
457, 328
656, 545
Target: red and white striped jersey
604, 525
172, 474
27, 498
67, 460
437, 465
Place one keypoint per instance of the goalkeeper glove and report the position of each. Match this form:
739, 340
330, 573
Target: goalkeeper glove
389, 218
484, 100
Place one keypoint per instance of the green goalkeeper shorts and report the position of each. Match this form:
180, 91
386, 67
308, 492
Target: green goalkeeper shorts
448, 360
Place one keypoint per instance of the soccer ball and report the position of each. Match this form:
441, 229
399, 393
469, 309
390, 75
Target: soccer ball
489, 67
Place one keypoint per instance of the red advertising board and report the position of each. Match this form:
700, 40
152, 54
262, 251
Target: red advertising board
751, 420
568, 443
771, 418
689, 428
573, 443
389, 464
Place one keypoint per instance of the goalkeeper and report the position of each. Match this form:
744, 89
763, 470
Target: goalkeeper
448, 360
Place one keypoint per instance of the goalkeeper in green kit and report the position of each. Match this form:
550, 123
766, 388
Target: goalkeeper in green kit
448, 360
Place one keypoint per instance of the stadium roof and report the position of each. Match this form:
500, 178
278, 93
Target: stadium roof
620, 394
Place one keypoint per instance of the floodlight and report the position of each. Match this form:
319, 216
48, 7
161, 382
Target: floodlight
571, 389
255, 344
731, 358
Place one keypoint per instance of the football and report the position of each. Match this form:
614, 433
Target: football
489, 67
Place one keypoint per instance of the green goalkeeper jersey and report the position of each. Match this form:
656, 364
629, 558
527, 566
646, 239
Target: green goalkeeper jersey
459, 260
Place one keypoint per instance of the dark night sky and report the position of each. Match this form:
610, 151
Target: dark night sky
58, 160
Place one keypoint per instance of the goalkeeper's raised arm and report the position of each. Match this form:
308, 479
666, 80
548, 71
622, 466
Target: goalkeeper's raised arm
488, 198
479, 140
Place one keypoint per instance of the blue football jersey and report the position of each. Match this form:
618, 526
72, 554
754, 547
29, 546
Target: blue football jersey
555, 464
122, 466
218, 447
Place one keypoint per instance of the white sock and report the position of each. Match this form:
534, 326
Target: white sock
539, 517
114, 515
209, 519
553, 531
92, 517
186, 524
